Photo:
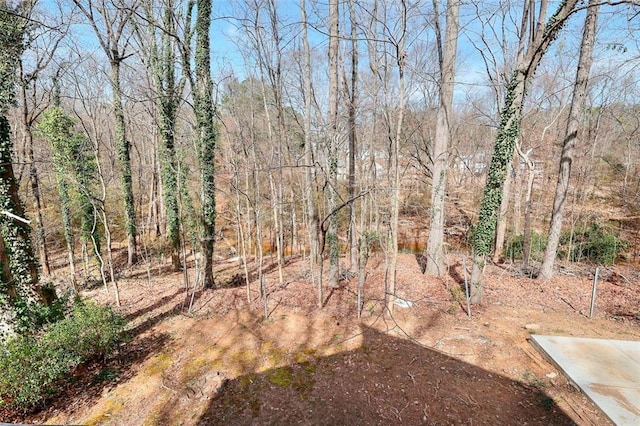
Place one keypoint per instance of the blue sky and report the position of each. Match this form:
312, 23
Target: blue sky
616, 48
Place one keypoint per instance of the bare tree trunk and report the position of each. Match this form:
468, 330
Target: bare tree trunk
40, 236
526, 237
105, 224
447, 59
395, 169
517, 201
351, 107
310, 181
332, 152
576, 112
501, 228
277, 223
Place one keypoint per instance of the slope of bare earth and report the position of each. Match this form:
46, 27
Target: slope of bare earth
426, 364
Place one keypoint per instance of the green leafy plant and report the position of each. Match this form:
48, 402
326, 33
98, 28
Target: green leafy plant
76, 170
32, 317
515, 244
33, 365
594, 243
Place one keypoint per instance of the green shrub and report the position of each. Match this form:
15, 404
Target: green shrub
32, 317
515, 244
595, 244
33, 365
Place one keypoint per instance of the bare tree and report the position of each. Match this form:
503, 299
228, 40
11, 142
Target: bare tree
576, 112
310, 175
34, 99
352, 100
447, 59
394, 167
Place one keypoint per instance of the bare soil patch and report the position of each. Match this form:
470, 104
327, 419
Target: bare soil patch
428, 364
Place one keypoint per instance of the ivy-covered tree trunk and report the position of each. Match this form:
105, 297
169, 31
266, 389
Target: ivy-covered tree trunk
576, 112
18, 265
75, 169
483, 235
109, 24
19, 271
123, 146
207, 135
163, 61
533, 45
332, 150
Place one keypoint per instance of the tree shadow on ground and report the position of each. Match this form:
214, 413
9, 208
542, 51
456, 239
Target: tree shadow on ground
387, 380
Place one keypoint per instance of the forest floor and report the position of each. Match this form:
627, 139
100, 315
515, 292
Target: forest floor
430, 363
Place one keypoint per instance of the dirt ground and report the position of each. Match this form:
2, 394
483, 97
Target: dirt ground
430, 363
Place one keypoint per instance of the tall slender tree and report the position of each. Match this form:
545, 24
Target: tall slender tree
56, 126
446, 58
331, 239
33, 101
352, 102
207, 135
394, 158
310, 175
75, 169
109, 22
18, 266
576, 113
161, 56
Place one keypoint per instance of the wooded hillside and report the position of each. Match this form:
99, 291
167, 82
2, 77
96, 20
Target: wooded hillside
264, 128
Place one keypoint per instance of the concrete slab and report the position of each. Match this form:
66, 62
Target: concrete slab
607, 371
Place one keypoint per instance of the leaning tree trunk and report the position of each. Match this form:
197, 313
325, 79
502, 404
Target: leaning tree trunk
447, 53
568, 148
207, 136
503, 153
539, 38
